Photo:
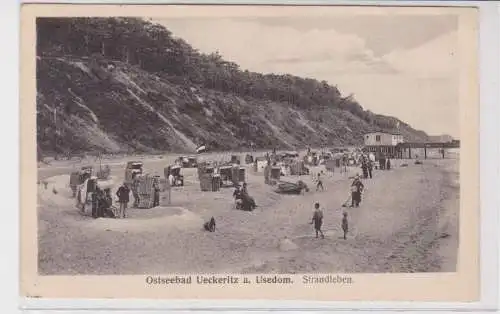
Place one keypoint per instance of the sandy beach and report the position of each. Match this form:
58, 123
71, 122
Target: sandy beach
407, 222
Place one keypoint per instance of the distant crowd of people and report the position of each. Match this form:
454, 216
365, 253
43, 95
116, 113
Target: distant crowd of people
368, 161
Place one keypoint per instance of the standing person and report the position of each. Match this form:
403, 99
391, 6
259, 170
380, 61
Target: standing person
370, 168
344, 163
156, 191
135, 185
382, 162
364, 167
388, 164
123, 198
317, 220
356, 189
95, 202
345, 225
320, 183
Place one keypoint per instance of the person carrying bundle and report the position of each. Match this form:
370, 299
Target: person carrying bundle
356, 190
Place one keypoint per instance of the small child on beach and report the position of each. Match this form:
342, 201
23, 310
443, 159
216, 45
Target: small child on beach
320, 182
345, 225
317, 220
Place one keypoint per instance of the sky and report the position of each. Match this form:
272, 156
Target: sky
403, 66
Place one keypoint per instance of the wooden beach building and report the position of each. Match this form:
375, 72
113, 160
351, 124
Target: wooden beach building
393, 145
382, 143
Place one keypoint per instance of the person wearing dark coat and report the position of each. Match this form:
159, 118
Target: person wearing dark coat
95, 202
123, 198
356, 189
388, 164
382, 162
248, 201
210, 225
101, 203
364, 167
370, 168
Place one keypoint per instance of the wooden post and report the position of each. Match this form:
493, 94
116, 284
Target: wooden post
409, 152
442, 151
425, 151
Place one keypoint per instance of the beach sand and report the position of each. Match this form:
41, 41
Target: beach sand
407, 222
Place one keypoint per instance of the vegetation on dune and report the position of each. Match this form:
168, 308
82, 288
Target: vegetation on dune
125, 84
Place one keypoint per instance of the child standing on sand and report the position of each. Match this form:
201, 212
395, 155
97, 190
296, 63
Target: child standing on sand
320, 183
317, 220
345, 225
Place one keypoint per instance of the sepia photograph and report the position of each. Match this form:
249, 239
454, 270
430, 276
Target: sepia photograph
262, 145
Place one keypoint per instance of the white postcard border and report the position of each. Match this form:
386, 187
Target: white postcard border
489, 121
